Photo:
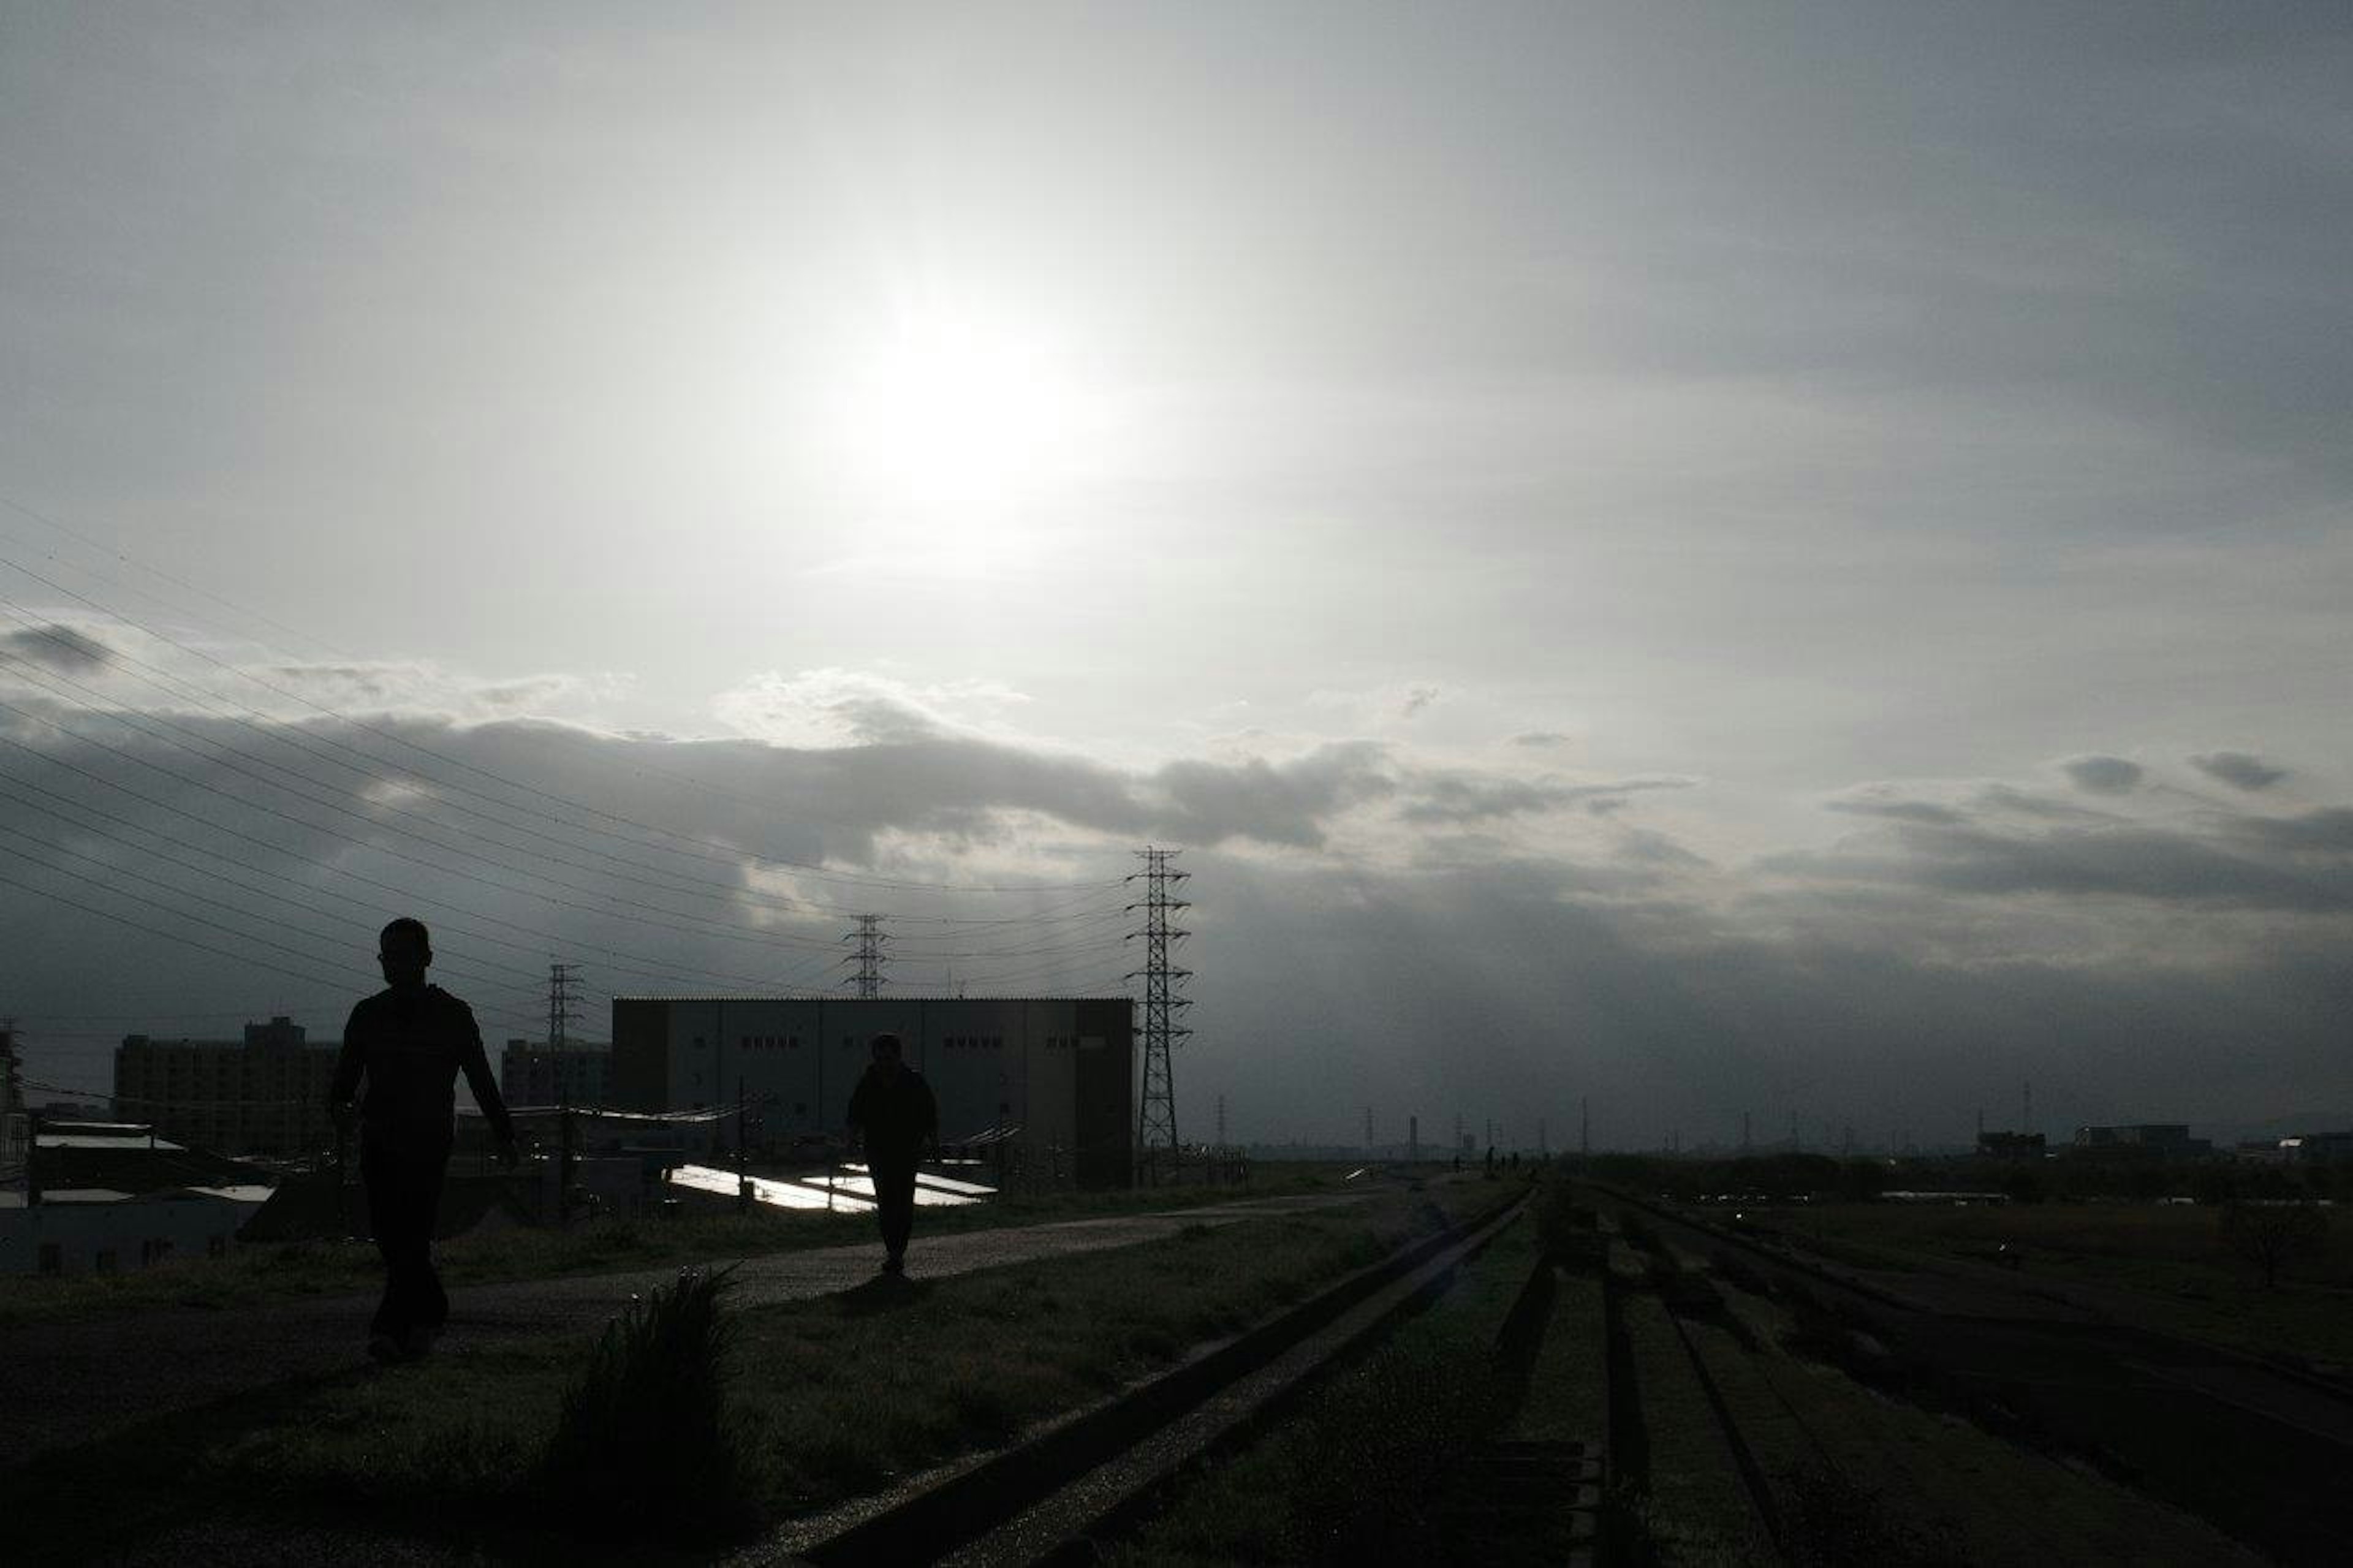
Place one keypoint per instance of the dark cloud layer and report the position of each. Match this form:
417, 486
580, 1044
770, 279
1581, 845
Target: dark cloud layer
57, 647
2181, 964
2103, 776
2238, 769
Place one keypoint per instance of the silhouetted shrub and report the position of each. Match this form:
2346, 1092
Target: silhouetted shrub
2272, 1235
644, 1440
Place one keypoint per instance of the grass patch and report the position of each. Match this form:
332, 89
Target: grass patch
254, 1276
1353, 1475
829, 1397
2168, 1262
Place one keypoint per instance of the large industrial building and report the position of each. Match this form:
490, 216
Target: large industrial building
1056, 1073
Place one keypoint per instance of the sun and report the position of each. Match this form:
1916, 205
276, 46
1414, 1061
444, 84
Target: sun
955, 416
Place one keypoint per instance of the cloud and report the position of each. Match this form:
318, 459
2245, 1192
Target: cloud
1481, 953
1543, 739
2238, 769
835, 707
2325, 834
1881, 800
57, 647
1457, 797
1416, 698
2103, 776
2297, 866
422, 687
1287, 803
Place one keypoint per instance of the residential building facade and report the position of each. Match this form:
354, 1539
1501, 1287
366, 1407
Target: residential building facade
265, 1094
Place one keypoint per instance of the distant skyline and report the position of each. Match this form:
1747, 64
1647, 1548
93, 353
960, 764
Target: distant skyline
1722, 557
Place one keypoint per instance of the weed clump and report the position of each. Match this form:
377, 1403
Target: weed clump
645, 1435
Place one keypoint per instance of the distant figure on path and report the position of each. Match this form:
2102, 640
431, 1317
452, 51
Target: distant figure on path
896, 1120
410, 1041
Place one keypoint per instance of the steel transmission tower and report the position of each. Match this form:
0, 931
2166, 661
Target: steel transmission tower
869, 936
561, 979
1156, 1112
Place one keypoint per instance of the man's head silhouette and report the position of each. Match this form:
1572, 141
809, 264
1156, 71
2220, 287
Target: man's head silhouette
405, 949
886, 1049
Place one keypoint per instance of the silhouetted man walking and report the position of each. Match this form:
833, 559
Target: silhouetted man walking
896, 1120
410, 1041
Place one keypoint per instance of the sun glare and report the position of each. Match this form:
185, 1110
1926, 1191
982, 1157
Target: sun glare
954, 416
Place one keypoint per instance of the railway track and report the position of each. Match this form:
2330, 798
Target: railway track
1085, 1480
2259, 1452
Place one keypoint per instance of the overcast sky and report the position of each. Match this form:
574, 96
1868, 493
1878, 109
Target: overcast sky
1771, 557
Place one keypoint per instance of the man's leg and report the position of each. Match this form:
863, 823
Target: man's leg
379, 1176
894, 1205
404, 1194
431, 1309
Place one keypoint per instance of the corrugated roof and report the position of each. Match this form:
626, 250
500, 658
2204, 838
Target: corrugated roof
138, 1143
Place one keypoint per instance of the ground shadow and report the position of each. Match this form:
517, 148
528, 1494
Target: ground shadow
883, 1293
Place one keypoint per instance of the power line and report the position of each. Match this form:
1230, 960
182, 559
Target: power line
805, 867
269, 727
539, 944
699, 928
149, 725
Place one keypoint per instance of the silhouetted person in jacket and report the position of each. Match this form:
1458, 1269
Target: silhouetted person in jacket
409, 1042
896, 1120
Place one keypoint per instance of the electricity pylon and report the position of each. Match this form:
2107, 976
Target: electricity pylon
869, 936
561, 979
1155, 1112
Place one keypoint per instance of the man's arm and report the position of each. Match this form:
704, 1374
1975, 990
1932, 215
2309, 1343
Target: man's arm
476, 1065
344, 1086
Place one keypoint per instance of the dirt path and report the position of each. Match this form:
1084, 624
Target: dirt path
68, 1383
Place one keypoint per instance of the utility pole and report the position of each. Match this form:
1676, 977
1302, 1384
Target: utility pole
1155, 1112
869, 936
15, 1123
743, 1171
564, 1155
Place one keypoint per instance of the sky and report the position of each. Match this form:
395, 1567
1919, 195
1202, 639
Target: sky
1784, 559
